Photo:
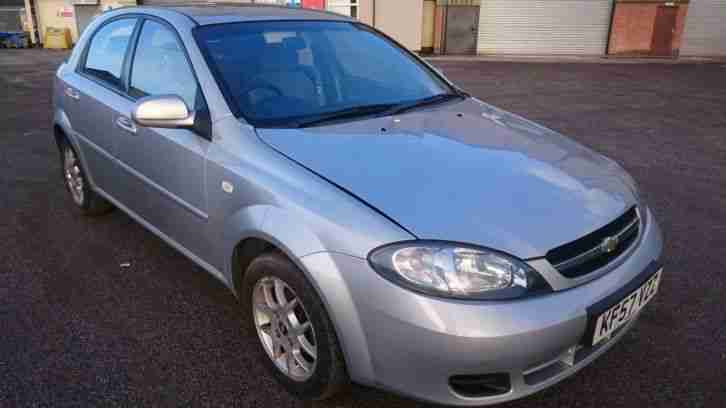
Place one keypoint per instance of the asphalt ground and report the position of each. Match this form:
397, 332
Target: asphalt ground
77, 329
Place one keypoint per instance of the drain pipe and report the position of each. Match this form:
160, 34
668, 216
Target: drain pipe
374, 14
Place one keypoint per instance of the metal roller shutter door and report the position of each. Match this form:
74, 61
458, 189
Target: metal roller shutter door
578, 27
705, 30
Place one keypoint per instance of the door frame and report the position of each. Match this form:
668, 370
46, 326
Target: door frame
445, 23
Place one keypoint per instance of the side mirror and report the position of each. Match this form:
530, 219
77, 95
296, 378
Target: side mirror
163, 111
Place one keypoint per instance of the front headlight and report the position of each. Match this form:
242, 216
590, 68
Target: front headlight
455, 270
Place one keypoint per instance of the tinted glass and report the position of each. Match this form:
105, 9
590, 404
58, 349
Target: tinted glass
160, 65
106, 52
279, 73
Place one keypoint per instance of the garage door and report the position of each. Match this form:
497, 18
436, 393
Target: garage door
705, 31
544, 26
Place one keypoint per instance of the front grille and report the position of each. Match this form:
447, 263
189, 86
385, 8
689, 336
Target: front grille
592, 252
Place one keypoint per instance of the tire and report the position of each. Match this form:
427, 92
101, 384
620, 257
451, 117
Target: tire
87, 201
328, 376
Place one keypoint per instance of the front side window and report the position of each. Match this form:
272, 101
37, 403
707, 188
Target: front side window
286, 73
106, 52
160, 66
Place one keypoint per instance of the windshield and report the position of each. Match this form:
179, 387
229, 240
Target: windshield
288, 73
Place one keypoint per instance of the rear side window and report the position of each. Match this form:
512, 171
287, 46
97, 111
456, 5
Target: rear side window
105, 56
160, 66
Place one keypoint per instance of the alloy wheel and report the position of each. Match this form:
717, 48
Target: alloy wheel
72, 175
284, 328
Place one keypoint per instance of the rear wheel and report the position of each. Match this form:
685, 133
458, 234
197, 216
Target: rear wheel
74, 177
295, 333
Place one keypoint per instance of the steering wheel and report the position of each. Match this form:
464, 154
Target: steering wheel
255, 92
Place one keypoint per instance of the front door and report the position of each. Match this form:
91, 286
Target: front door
164, 183
663, 32
462, 29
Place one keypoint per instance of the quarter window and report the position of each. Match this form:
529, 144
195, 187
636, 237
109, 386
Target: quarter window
160, 66
105, 57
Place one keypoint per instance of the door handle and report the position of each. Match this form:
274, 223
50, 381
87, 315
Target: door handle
72, 93
126, 124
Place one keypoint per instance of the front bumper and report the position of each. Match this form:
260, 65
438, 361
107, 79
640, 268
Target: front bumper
413, 344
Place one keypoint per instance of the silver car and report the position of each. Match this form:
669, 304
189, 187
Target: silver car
378, 224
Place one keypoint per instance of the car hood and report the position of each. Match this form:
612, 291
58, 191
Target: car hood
467, 172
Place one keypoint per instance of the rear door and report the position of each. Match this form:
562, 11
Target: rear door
93, 92
165, 167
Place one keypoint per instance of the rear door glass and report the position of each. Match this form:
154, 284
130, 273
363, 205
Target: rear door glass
106, 52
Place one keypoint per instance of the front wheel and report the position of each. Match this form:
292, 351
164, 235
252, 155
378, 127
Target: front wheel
294, 331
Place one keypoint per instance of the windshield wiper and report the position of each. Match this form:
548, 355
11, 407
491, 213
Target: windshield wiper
382, 109
348, 113
431, 100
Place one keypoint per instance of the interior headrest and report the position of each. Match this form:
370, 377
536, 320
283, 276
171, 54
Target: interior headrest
294, 43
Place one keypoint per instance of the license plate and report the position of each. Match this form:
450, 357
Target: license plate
620, 313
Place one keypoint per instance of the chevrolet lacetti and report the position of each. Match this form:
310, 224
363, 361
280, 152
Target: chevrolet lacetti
377, 224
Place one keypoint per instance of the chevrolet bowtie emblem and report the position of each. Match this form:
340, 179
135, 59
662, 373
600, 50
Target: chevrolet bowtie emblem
609, 244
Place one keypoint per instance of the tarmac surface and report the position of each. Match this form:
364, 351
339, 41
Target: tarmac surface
77, 329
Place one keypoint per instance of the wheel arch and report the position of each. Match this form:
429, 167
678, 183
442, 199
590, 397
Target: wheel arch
59, 135
287, 234
62, 128
242, 256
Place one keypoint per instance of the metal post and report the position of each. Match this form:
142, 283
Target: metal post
610, 27
29, 15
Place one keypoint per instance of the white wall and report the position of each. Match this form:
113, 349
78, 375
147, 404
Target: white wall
400, 19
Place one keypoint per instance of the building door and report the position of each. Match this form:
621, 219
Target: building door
462, 29
705, 30
663, 30
84, 15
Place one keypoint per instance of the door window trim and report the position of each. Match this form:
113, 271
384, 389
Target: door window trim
81, 66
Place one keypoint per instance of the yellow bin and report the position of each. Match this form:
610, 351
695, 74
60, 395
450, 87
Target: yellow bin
58, 38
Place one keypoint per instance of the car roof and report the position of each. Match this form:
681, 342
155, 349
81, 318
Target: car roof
215, 13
